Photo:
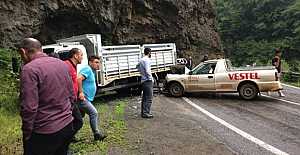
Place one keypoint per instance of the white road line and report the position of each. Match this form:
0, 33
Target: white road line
290, 102
238, 131
290, 86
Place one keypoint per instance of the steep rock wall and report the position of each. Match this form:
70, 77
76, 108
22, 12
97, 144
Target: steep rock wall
188, 23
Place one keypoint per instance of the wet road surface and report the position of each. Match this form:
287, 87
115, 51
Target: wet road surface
275, 122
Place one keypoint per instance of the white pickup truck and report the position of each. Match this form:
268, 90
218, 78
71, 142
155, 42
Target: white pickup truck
118, 63
219, 76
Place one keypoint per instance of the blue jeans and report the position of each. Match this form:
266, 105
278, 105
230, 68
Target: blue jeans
87, 107
147, 87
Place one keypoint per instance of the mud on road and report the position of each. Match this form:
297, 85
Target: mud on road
173, 130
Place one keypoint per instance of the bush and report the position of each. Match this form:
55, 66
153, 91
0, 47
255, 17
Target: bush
10, 128
295, 65
9, 84
250, 51
287, 77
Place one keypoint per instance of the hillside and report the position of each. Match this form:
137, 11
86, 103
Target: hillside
251, 30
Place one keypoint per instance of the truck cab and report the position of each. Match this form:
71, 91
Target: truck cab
61, 51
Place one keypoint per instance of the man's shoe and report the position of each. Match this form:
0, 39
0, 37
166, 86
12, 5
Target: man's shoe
99, 137
281, 94
147, 116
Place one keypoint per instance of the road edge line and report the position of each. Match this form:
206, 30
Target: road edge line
236, 130
290, 86
290, 102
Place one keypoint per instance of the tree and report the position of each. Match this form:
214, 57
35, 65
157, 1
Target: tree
251, 29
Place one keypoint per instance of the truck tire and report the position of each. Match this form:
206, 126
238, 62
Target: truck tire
176, 89
248, 91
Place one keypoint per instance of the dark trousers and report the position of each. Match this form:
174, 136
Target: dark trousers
77, 122
49, 144
147, 87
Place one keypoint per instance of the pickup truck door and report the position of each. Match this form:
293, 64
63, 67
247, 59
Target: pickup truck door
202, 78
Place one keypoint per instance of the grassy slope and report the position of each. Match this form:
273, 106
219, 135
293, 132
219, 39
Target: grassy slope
10, 130
111, 122
111, 118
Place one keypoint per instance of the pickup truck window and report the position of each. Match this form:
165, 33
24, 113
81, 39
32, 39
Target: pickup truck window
63, 55
206, 68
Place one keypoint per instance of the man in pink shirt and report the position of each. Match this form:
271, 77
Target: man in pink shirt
46, 95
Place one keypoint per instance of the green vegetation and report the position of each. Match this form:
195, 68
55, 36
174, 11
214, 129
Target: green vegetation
10, 129
112, 121
111, 117
297, 84
11, 135
252, 29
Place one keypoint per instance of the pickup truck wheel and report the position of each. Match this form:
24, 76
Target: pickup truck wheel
176, 89
248, 91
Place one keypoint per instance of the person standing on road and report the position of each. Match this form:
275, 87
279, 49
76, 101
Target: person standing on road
144, 68
87, 91
46, 95
189, 63
276, 61
75, 58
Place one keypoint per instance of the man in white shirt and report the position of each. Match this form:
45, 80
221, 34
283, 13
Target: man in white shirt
147, 83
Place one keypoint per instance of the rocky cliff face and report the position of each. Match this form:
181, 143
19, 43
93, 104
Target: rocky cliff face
188, 23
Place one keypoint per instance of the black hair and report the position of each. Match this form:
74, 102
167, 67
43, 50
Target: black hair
93, 57
147, 51
277, 50
73, 51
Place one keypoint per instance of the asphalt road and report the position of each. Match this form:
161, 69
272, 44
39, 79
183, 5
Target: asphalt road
266, 125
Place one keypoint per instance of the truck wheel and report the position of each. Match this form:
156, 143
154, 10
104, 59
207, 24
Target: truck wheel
176, 89
248, 91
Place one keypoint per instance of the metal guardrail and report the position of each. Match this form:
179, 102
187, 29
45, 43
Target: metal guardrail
295, 74
292, 77
292, 74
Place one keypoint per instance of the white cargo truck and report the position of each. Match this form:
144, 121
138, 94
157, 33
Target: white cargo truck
118, 63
